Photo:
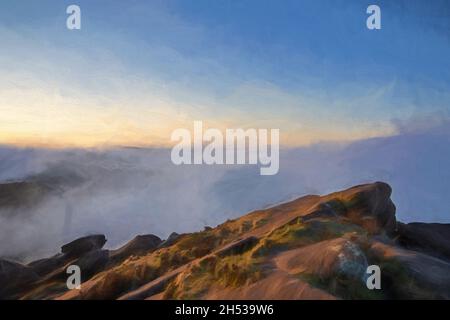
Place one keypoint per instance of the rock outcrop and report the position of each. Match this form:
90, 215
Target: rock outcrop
430, 238
368, 205
139, 245
84, 245
315, 247
14, 277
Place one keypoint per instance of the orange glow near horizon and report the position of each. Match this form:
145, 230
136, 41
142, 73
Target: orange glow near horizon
131, 136
35, 117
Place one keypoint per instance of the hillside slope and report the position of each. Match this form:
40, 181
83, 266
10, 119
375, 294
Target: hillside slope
315, 247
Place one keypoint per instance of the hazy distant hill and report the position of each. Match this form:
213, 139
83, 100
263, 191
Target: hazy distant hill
27, 193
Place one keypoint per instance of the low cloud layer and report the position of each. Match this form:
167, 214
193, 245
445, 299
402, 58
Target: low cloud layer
124, 192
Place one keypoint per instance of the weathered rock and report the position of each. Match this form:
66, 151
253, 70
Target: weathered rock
83, 245
351, 262
414, 275
48, 265
92, 262
14, 277
370, 206
326, 259
140, 245
431, 238
173, 237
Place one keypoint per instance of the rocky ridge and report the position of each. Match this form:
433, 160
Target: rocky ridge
315, 247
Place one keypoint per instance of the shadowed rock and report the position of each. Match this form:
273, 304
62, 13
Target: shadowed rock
370, 206
429, 277
14, 277
138, 246
83, 245
92, 262
431, 238
48, 265
173, 237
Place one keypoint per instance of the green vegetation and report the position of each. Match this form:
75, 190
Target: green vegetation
300, 234
261, 222
343, 287
237, 270
231, 271
398, 282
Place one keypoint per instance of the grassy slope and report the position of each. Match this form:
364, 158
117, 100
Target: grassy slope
308, 248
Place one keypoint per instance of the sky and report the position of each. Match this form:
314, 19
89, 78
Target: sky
137, 70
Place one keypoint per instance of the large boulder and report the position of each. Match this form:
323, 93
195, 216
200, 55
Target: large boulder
84, 245
45, 266
411, 274
14, 278
92, 262
368, 205
431, 238
173, 237
140, 245
326, 259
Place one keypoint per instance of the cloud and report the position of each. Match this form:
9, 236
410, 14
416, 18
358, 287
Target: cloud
130, 191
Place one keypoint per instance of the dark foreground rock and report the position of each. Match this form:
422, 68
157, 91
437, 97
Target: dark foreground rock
14, 277
139, 245
430, 238
84, 245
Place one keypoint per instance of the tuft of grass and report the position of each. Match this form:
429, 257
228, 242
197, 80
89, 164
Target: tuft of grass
236, 271
261, 222
231, 271
400, 284
246, 226
340, 286
294, 235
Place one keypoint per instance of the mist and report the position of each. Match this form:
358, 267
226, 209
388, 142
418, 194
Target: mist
123, 192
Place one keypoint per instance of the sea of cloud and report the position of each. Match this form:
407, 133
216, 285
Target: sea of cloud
123, 192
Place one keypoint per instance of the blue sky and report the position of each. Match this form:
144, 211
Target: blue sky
139, 69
